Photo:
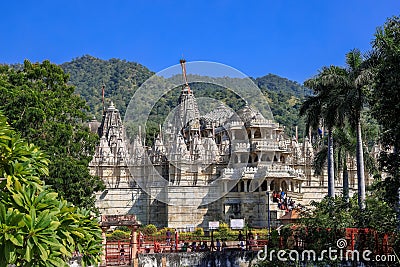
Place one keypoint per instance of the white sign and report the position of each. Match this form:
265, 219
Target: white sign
237, 223
213, 225
190, 227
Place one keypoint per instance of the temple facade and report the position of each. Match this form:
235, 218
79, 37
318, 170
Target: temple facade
213, 167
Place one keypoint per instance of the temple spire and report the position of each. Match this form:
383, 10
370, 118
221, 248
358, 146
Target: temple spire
183, 65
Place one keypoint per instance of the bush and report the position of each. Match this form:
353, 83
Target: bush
118, 235
123, 228
198, 231
149, 229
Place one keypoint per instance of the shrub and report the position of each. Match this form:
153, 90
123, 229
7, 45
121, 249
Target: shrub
149, 229
198, 231
118, 235
123, 228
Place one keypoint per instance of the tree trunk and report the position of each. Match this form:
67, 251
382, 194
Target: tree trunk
345, 180
331, 170
360, 167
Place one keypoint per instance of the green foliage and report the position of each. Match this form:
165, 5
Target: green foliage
118, 235
121, 79
41, 106
329, 213
37, 228
198, 231
284, 98
223, 230
149, 229
337, 213
385, 99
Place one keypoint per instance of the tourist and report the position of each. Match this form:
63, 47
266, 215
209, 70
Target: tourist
122, 254
157, 247
193, 246
141, 239
168, 237
176, 239
241, 239
204, 246
218, 245
224, 245
185, 246
256, 238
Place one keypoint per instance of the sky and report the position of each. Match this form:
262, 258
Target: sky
292, 39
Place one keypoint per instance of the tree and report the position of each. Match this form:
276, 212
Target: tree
349, 87
326, 106
385, 99
37, 228
41, 105
358, 79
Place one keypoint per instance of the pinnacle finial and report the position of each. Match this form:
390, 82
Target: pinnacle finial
183, 65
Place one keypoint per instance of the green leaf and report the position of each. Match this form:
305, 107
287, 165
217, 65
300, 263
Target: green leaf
43, 252
53, 225
18, 240
18, 199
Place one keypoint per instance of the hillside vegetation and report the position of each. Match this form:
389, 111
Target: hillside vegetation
122, 78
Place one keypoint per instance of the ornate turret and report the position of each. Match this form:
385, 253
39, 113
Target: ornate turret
188, 109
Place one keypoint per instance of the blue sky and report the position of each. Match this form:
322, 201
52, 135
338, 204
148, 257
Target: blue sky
292, 39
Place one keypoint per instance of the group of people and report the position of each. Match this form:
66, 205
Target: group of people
250, 241
284, 202
172, 243
219, 245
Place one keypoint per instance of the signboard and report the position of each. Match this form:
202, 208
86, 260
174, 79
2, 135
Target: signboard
213, 225
190, 227
237, 223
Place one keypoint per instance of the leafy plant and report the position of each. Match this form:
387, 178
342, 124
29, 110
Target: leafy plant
37, 227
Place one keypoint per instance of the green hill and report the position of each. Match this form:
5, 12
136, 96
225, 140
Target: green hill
121, 79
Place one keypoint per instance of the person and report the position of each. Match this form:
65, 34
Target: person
141, 238
256, 238
241, 239
204, 246
224, 245
176, 239
168, 237
218, 245
122, 254
185, 246
193, 246
157, 247
250, 239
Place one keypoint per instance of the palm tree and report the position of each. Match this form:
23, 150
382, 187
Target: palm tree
325, 105
351, 83
359, 76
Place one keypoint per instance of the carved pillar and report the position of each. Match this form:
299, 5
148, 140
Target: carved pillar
104, 242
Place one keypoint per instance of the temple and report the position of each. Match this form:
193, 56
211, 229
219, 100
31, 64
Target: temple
213, 167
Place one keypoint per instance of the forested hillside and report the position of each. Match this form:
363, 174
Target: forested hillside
122, 78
